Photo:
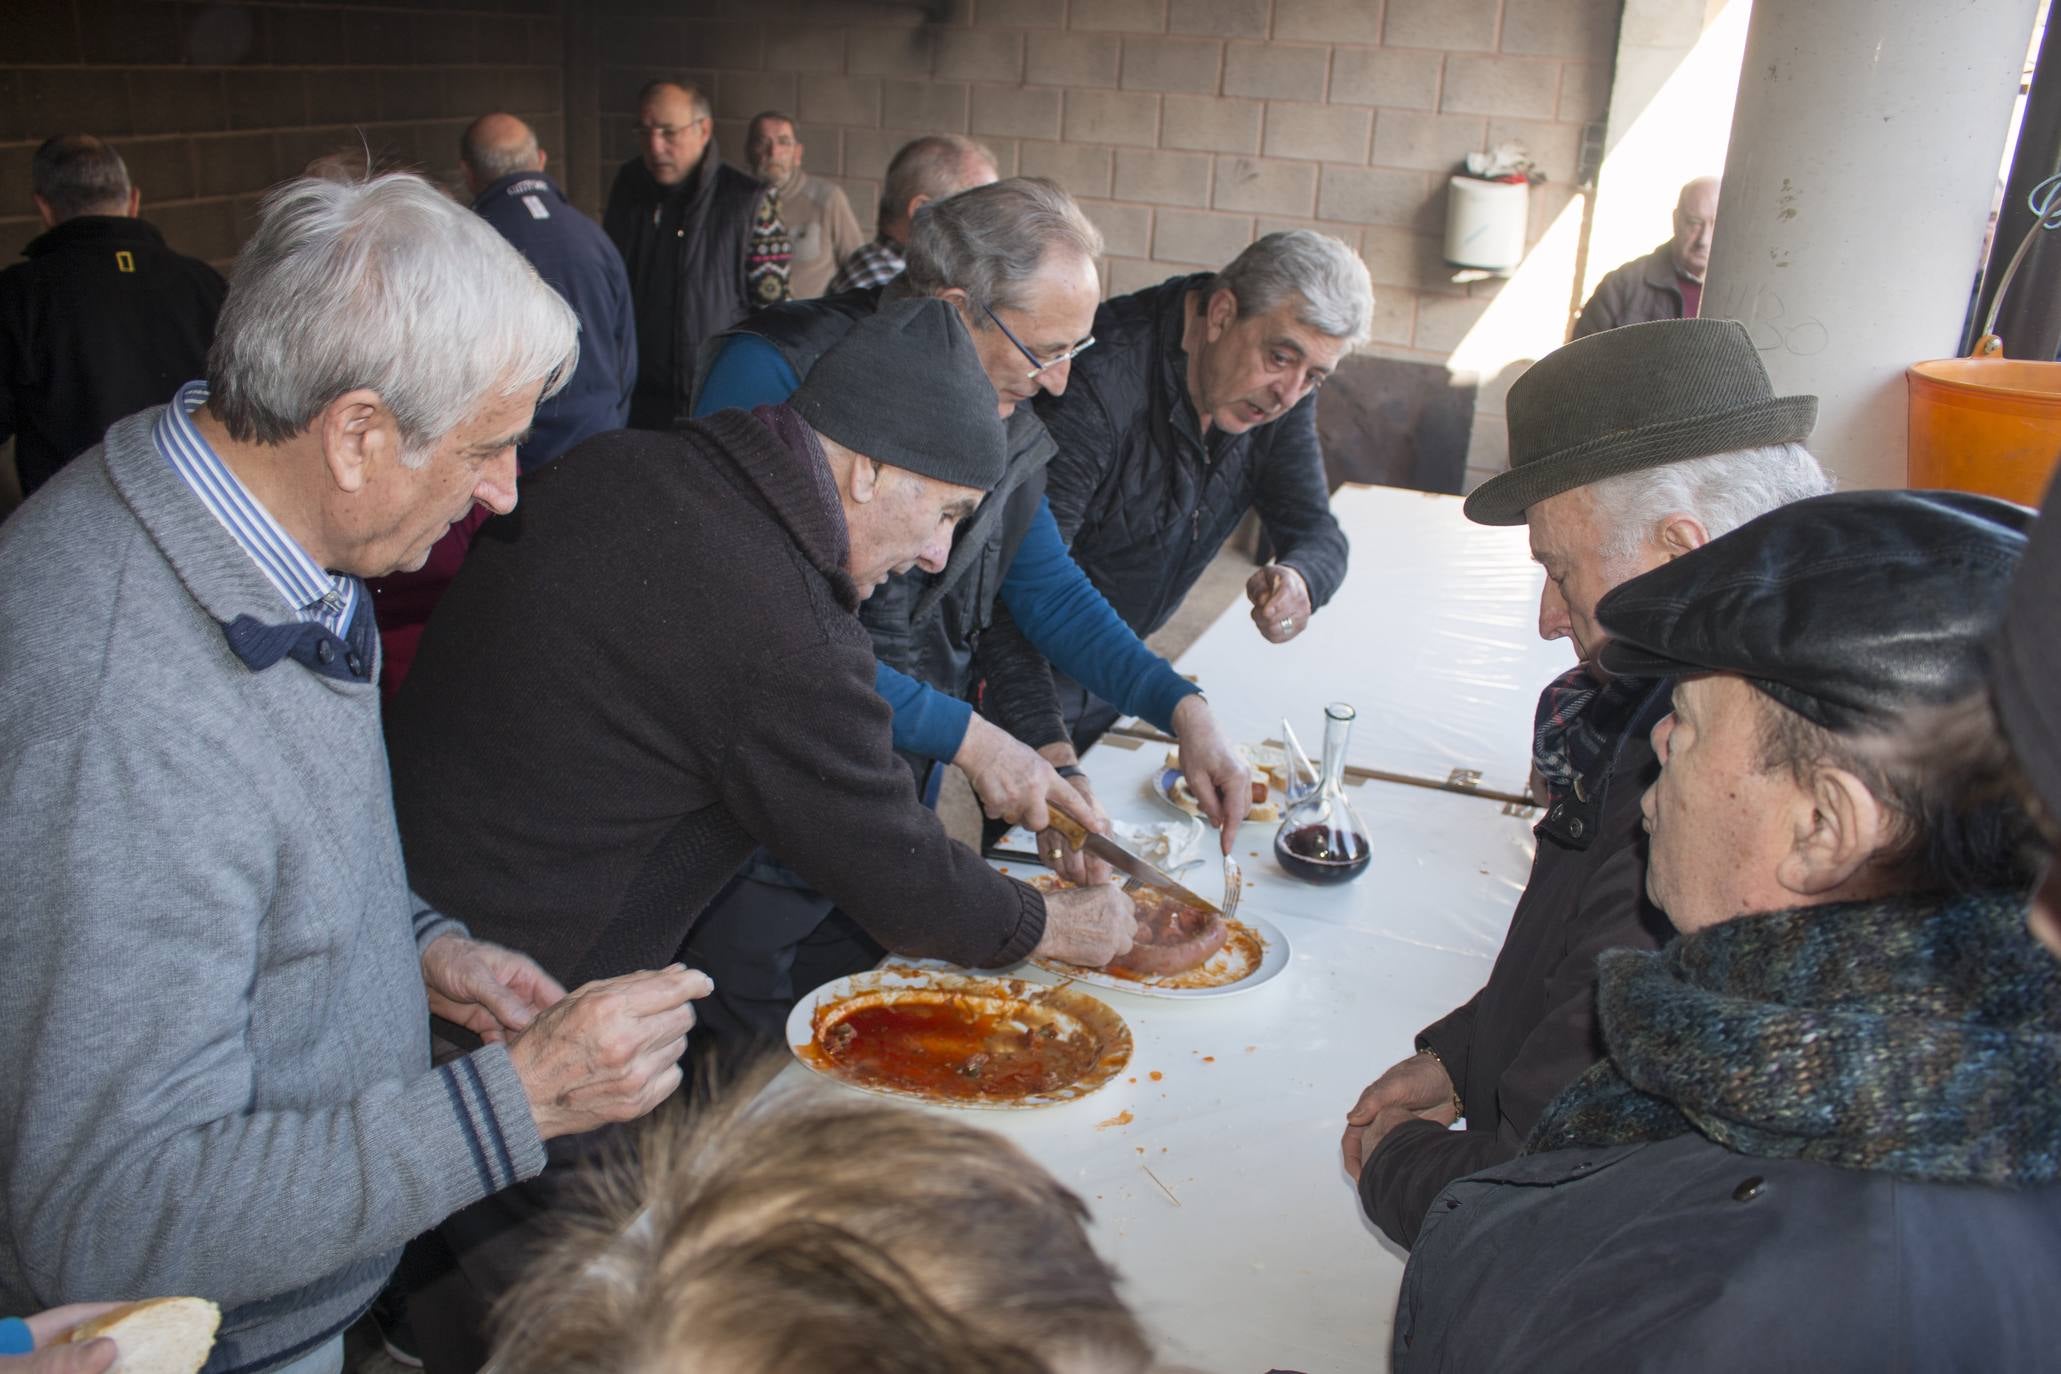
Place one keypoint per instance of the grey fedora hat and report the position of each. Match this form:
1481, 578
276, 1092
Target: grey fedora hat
1633, 398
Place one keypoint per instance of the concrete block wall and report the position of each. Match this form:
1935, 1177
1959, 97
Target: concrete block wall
1187, 127
210, 104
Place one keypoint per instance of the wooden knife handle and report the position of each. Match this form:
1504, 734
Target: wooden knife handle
1076, 833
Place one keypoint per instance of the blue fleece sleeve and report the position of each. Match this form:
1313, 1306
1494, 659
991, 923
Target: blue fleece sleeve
1060, 611
927, 722
747, 372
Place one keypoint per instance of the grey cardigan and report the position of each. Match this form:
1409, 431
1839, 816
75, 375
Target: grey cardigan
216, 1040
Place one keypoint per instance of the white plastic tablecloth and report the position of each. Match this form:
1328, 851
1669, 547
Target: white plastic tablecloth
1216, 1188
1433, 637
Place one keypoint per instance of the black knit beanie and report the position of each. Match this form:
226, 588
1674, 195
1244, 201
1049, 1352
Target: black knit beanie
906, 388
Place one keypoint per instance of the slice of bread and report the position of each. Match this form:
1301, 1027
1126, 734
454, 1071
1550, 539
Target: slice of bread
158, 1335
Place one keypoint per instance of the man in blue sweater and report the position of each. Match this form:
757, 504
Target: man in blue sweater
504, 170
1017, 259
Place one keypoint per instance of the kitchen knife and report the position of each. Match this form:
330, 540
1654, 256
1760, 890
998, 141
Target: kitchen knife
1124, 861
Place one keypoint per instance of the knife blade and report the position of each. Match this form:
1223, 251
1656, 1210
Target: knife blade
1124, 861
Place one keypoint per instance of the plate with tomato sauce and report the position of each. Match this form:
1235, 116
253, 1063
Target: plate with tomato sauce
960, 1039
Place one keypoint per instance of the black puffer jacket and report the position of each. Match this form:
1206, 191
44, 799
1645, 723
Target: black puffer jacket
1144, 500
927, 625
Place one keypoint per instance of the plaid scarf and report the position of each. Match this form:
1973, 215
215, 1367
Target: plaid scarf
1578, 726
1918, 1036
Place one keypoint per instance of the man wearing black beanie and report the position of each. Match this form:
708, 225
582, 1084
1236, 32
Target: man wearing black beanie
657, 666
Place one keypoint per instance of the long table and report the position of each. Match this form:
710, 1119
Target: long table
1211, 1165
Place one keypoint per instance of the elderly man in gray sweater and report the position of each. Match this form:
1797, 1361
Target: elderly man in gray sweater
214, 1004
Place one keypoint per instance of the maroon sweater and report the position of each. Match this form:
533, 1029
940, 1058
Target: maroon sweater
651, 667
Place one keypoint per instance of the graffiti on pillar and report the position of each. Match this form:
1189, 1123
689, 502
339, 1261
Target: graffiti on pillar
1771, 324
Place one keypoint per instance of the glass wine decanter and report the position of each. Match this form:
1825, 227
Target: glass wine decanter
1322, 839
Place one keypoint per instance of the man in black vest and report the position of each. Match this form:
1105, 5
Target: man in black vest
703, 242
103, 320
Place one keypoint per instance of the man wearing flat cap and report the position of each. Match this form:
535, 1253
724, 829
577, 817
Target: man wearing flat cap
1627, 450
658, 666
1824, 1135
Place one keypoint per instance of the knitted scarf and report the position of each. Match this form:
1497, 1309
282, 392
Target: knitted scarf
1918, 1036
1579, 722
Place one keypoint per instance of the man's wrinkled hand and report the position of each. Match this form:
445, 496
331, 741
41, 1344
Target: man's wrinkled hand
1417, 1088
1280, 602
1076, 866
493, 992
1013, 782
1088, 926
1217, 773
608, 1051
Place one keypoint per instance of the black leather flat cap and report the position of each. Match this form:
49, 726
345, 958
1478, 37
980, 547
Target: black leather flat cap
1846, 608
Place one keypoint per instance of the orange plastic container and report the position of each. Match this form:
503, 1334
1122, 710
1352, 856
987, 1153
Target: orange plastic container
1991, 425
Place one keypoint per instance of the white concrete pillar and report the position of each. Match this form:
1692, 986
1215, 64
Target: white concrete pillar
1865, 145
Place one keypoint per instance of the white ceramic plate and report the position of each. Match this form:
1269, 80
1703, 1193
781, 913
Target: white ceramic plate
1273, 959
1072, 1012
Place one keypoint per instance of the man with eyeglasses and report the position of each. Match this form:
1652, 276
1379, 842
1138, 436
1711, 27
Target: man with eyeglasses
1200, 404
1017, 259
703, 242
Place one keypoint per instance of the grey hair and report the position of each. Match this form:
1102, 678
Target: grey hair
990, 242
935, 165
492, 161
1332, 283
78, 174
385, 284
1722, 491
693, 93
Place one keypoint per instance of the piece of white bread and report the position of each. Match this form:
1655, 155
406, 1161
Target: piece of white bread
158, 1335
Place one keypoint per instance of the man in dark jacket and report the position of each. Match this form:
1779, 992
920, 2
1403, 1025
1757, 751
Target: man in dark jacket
1198, 404
505, 171
657, 665
1666, 284
103, 320
1825, 1137
1627, 450
1017, 260
703, 243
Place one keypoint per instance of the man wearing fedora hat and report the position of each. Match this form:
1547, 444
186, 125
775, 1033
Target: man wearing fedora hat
1627, 449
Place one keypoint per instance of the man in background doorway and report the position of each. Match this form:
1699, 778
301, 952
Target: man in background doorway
1666, 284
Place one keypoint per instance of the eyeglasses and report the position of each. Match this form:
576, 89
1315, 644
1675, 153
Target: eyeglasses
1038, 364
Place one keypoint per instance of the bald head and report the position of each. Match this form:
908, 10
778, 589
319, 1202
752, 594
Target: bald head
495, 146
1695, 224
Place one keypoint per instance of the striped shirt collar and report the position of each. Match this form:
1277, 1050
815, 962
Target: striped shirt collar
309, 592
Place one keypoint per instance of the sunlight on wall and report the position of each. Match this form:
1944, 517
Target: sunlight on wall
1681, 133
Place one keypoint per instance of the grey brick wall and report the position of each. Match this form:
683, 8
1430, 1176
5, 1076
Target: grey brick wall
1190, 126
211, 104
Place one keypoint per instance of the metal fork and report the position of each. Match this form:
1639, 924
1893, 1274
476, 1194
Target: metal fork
1234, 886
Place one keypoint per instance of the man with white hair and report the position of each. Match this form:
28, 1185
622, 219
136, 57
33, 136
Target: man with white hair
1627, 450
1666, 284
1199, 404
215, 1002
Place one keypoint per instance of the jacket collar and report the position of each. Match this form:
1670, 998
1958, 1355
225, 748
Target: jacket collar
1660, 272
95, 229
699, 185
215, 571
774, 454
